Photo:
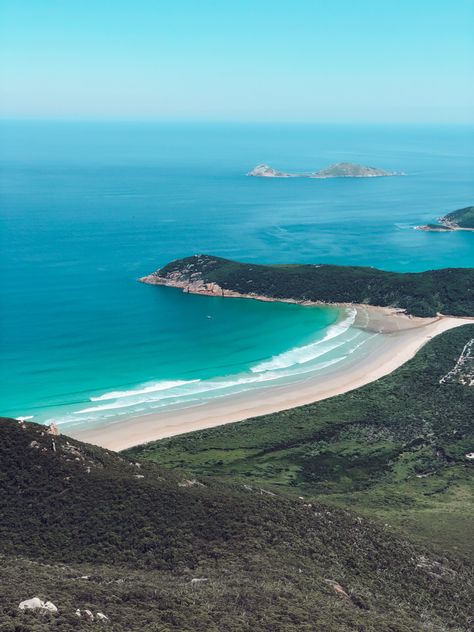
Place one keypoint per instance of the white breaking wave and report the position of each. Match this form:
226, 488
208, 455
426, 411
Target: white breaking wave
300, 355
95, 409
294, 363
151, 388
207, 387
200, 388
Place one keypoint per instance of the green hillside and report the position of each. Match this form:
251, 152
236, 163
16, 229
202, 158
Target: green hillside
90, 529
449, 291
394, 449
351, 514
464, 217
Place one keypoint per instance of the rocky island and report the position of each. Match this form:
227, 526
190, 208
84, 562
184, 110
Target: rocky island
338, 170
462, 219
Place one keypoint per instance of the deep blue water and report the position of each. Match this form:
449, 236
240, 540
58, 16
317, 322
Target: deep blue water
87, 208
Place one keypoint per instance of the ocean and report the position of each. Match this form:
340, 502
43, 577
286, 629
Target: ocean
89, 207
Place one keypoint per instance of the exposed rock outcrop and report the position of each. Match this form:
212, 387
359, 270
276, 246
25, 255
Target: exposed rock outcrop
192, 285
88, 615
190, 483
53, 430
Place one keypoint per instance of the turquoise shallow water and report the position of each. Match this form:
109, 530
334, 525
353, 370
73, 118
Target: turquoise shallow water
87, 208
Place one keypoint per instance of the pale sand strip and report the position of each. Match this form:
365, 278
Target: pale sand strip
401, 338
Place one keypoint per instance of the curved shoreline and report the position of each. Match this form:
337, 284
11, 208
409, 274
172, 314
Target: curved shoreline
390, 319
400, 338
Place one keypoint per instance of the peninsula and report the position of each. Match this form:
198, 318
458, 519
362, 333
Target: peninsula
425, 294
462, 219
338, 170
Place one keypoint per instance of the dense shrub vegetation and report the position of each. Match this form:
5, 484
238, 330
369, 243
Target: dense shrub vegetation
449, 291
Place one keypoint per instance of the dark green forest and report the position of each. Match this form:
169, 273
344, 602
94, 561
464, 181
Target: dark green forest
448, 291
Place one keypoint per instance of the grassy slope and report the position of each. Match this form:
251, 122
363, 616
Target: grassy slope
449, 291
70, 510
392, 449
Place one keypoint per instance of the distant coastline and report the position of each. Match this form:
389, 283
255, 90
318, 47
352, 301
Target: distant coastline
462, 219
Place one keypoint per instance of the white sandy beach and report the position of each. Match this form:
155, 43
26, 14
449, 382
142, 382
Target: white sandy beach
401, 337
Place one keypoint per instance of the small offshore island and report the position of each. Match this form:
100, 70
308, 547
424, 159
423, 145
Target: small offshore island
462, 219
338, 170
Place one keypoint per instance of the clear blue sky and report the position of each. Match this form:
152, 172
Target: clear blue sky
337, 60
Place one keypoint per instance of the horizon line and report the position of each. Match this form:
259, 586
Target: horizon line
218, 121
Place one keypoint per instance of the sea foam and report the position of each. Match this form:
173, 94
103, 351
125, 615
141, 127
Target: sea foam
203, 387
312, 351
151, 388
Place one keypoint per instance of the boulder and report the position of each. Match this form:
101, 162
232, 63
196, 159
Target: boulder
53, 430
102, 617
88, 615
38, 604
190, 483
31, 604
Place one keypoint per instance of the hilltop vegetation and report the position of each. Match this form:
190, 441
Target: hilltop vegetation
394, 449
449, 291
